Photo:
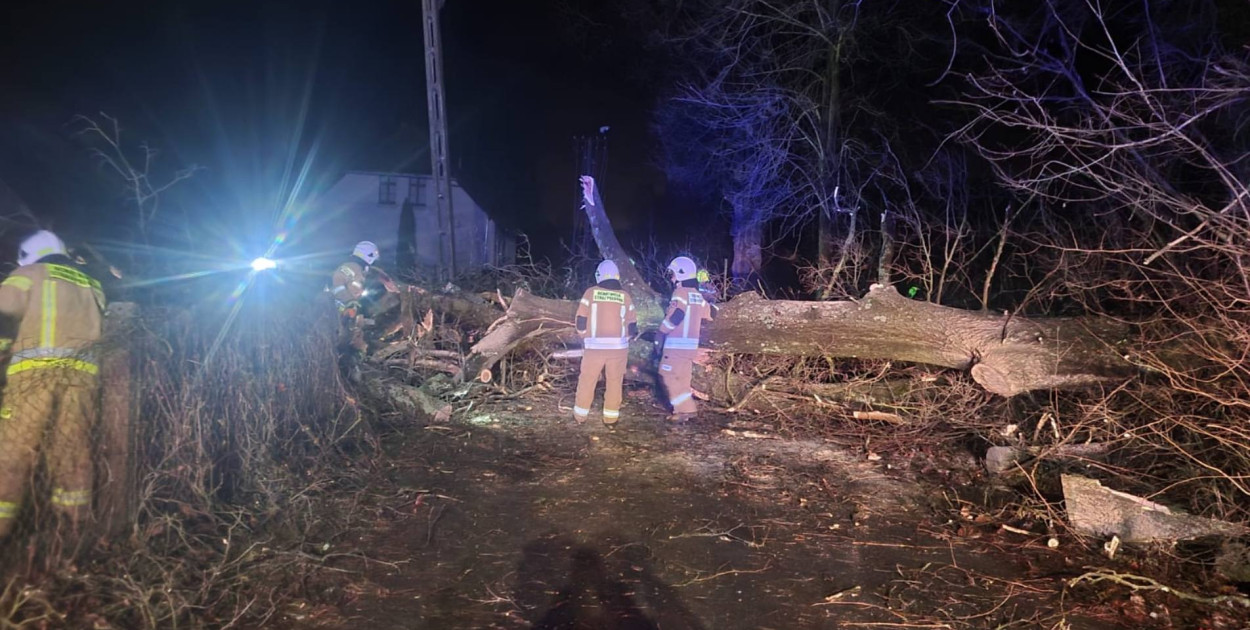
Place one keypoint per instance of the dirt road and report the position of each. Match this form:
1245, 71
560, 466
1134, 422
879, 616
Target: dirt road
513, 517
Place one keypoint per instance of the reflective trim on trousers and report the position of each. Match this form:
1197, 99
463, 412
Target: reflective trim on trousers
612, 413
681, 343
606, 343
578, 411
71, 498
680, 399
39, 364
8, 509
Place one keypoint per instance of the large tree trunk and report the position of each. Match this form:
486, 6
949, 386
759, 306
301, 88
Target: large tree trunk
1006, 355
645, 298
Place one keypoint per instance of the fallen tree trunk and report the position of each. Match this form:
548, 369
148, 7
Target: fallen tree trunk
1006, 355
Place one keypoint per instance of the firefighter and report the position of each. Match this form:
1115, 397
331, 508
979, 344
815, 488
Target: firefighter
687, 310
606, 322
56, 311
348, 287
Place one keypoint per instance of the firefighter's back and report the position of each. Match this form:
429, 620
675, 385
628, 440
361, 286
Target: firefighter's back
63, 315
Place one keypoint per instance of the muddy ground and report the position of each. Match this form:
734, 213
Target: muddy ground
512, 516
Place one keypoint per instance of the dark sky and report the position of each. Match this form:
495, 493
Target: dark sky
251, 90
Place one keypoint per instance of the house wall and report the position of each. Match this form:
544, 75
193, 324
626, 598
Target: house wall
352, 211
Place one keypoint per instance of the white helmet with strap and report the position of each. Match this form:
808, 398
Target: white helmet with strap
366, 251
37, 245
607, 271
683, 268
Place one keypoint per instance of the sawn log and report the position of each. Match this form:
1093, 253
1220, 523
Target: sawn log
1005, 355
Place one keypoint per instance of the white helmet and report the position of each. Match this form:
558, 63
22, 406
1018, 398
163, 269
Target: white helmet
366, 251
37, 245
683, 268
607, 271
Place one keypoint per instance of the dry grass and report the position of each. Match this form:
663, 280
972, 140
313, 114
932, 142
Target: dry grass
236, 437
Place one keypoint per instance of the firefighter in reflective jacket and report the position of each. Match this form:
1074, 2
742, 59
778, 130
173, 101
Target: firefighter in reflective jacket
606, 321
348, 286
687, 310
57, 312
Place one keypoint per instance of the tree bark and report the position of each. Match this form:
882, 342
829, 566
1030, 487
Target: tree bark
1006, 355
645, 298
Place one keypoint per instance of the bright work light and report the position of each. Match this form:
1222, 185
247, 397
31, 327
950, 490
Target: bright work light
263, 264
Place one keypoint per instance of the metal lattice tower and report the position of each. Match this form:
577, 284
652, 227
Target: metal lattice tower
439, 158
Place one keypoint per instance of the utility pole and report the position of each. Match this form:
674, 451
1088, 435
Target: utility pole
439, 160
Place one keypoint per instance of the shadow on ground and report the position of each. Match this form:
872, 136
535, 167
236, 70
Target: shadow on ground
529, 522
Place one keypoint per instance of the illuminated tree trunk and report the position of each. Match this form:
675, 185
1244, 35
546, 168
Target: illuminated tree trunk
1006, 355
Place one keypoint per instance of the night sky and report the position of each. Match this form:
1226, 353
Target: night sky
254, 91
250, 90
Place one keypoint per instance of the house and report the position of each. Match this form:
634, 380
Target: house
368, 205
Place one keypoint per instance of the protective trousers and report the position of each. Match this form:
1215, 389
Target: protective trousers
61, 403
611, 362
351, 333
675, 370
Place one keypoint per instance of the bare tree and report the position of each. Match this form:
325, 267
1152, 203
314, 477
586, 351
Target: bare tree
770, 116
1128, 127
133, 166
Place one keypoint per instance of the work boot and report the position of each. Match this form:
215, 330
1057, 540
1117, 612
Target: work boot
681, 417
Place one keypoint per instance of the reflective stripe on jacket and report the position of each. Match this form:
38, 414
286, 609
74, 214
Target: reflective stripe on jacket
608, 314
58, 311
684, 335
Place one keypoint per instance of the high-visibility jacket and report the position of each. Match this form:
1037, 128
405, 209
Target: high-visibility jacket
59, 312
687, 310
348, 282
606, 317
